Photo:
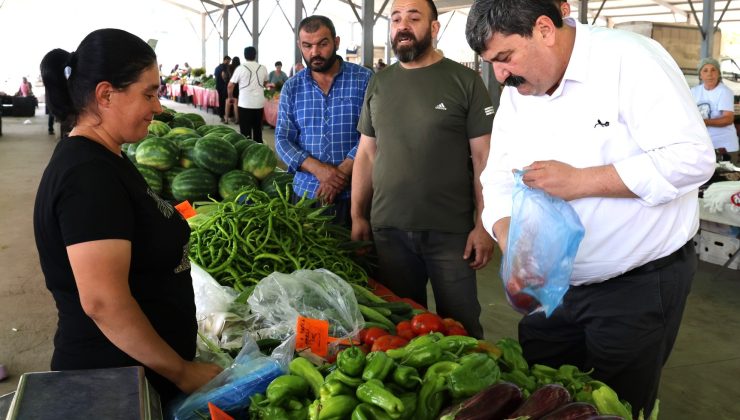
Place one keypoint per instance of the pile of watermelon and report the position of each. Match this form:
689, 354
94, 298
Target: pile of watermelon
183, 158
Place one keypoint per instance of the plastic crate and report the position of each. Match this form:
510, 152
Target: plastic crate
717, 249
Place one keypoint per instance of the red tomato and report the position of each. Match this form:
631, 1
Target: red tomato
426, 323
362, 334
373, 333
450, 322
388, 342
455, 330
405, 330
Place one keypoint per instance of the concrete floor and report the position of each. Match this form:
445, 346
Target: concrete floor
697, 382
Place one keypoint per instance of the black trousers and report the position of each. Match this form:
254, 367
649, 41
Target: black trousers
222, 101
623, 328
250, 123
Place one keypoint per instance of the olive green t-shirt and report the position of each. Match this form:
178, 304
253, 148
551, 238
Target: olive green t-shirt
422, 121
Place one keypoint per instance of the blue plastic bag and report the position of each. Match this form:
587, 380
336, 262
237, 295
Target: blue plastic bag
544, 235
230, 390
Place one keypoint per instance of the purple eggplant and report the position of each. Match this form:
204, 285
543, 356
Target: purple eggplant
543, 401
573, 411
493, 403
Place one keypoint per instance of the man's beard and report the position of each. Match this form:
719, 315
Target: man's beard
514, 81
320, 64
409, 53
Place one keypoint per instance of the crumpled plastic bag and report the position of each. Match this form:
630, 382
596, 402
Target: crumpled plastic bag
279, 299
230, 390
544, 235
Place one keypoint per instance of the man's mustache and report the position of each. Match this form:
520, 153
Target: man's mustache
514, 81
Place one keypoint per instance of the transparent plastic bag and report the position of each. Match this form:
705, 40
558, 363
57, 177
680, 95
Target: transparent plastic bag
279, 298
230, 390
544, 235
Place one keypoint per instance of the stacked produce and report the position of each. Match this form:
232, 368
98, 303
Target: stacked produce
432, 375
183, 158
240, 244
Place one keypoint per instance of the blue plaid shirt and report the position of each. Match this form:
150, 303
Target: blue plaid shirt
324, 127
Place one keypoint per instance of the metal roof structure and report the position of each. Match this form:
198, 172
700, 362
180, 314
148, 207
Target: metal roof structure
222, 13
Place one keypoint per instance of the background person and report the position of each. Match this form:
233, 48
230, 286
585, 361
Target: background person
113, 253
320, 150
618, 136
422, 120
716, 104
25, 89
277, 76
296, 68
222, 75
250, 78
232, 108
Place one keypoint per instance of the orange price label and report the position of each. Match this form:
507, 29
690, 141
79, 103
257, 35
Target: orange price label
312, 334
186, 210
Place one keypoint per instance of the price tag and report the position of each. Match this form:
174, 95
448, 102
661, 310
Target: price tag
186, 210
312, 334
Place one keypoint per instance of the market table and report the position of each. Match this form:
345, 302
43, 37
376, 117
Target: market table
174, 90
271, 111
202, 96
726, 217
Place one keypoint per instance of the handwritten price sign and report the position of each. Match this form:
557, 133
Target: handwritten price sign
312, 334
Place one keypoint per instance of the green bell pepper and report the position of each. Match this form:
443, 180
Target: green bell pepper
420, 341
441, 368
284, 387
476, 372
607, 401
521, 379
409, 405
351, 361
342, 377
333, 387
373, 392
378, 366
338, 407
300, 366
430, 399
422, 356
512, 355
406, 376
365, 411
457, 343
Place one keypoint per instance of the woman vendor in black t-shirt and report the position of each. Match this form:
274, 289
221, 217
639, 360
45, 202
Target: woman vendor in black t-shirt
114, 254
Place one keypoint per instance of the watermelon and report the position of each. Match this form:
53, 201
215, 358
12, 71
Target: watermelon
259, 160
194, 184
186, 152
158, 153
215, 154
233, 182
167, 179
223, 129
214, 135
196, 119
241, 145
234, 137
181, 121
158, 128
131, 151
166, 115
204, 129
152, 177
178, 131
276, 181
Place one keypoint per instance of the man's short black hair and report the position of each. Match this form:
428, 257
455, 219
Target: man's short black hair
250, 53
313, 23
226, 57
278, 63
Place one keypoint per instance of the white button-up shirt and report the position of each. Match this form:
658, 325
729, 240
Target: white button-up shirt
622, 101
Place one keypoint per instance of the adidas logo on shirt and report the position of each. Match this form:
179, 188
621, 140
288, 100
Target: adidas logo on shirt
441, 106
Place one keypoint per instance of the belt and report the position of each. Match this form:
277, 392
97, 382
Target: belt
661, 262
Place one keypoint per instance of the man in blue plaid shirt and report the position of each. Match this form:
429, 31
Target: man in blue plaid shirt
316, 133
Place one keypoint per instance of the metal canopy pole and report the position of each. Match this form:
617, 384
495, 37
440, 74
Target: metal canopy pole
256, 25
368, 48
707, 28
203, 40
583, 12
225, 22
297, 17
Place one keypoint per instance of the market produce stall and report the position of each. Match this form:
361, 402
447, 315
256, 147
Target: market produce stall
203, 98
271, 110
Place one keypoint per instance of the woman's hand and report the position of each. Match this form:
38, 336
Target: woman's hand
195, 374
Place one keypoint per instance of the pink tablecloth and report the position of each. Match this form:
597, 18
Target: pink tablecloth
203, 97
173, 90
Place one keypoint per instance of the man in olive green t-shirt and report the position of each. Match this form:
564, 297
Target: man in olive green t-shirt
421, 122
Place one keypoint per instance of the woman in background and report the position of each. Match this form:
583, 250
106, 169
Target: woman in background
716, 105
232, 106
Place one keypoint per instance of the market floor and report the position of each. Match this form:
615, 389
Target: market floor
699, 381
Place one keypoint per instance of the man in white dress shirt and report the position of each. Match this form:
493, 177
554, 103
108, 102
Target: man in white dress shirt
603, 119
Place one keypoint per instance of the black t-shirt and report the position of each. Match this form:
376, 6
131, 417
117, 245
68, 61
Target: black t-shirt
88, 193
